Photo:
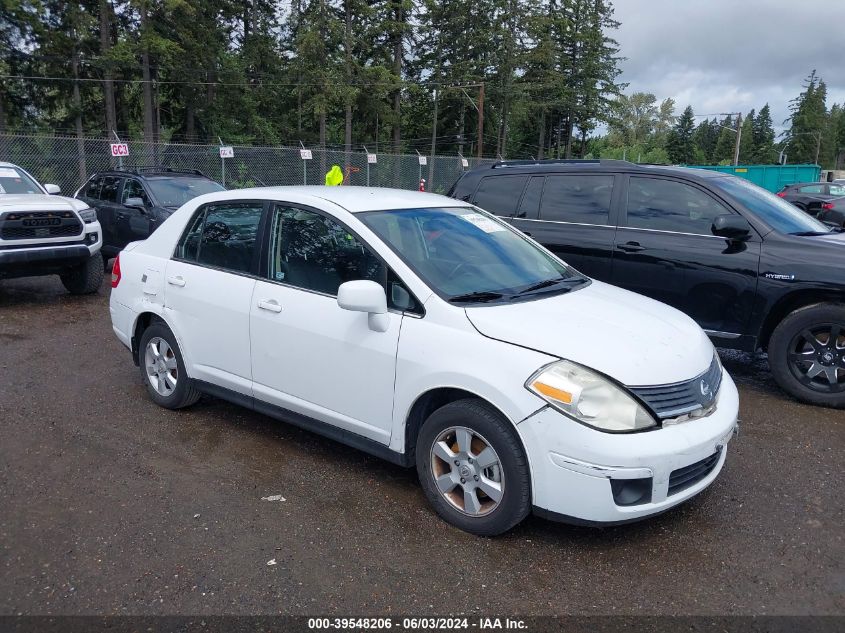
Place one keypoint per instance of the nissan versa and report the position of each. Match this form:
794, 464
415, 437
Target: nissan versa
425, 331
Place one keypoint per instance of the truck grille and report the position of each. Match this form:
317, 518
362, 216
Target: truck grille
683, 478
670, 401
39, 224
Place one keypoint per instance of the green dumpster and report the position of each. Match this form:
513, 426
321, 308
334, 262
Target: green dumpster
771, 177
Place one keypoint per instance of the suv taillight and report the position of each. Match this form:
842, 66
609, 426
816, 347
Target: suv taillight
115, 272
827, 206
781, 194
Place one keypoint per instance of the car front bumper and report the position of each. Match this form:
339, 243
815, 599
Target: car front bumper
24, 258
585, 476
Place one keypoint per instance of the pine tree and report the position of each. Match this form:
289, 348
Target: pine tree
679, 145
705, 138
746, 141
764, 138
807, 119
725, 146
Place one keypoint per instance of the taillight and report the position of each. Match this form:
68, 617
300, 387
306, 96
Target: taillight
827, 206
115, 272
781, 194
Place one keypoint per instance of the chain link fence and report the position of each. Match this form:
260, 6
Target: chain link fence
68, 161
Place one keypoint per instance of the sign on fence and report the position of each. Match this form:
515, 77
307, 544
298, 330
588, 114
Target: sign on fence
423, 160
371, 159
227, 151
464, 162
305, 154
120, 149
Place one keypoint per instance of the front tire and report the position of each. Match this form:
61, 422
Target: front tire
473, 468
84, 279
807, 354
163, 369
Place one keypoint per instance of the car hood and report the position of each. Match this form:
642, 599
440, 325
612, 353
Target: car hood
39, 202
636, 340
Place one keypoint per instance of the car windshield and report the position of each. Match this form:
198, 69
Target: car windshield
781, 215
174, 192
14, 180
469, 256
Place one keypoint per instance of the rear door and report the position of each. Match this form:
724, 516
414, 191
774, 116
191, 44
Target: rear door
665, 249
209, 284
574, 219
108, 212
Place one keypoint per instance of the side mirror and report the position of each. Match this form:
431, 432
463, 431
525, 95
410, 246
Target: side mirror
134, 203
53, 190
365, 296
732, 227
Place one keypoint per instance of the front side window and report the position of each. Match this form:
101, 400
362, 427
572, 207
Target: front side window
311, 251
134, 189
668, 205
578, 199
466, 255
223, 236
500, 195
779, 214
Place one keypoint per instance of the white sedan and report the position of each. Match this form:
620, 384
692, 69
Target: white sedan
425, 331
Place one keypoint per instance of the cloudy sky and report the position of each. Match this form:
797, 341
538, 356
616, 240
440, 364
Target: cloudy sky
731, 55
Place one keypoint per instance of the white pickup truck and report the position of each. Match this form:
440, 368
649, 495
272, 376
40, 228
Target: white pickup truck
46, 234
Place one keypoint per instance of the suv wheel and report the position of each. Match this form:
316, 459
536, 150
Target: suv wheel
807, 354
473, 469
85, 278
163, 369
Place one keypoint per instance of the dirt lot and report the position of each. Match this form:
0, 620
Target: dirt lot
111, 505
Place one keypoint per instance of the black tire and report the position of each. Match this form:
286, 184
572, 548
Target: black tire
808, 340
106, 260
184, 393
84, 279
489, 427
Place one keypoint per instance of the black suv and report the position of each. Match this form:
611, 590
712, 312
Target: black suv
132, 204
754, 271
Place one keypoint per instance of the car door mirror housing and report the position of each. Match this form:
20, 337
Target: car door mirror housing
135, 203
365, 296
52, 189
732, 227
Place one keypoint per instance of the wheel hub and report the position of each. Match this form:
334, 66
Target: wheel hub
827, 357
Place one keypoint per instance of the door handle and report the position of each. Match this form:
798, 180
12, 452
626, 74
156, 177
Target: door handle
270, 304
176, 281
630, 247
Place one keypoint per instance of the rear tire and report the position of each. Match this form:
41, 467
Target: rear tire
807, 354
473, 468
163, 369
84, 279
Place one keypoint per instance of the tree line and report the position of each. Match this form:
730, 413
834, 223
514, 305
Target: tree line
511, 78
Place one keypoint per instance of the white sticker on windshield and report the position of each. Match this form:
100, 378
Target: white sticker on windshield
485, 224
8, 172
2, 190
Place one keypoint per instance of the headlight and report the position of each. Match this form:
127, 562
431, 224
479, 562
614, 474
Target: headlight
589, 398
88, 215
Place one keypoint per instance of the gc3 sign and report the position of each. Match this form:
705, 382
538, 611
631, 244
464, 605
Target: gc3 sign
119, 149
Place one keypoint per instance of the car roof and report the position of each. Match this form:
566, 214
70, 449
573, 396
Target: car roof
151, 173
350, 198
597, 166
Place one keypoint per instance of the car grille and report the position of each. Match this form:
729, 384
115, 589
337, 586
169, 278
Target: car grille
39, 224
669, 401
683, 478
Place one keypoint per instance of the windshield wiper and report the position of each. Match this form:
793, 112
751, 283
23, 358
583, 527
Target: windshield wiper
810, 233
476, 297
547, 283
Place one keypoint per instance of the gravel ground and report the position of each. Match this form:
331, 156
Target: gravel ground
111, 505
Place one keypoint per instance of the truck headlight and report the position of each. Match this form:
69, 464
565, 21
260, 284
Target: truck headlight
88, 215
589, 398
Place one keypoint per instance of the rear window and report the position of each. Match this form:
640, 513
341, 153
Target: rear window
500, 195
580, 199
108, 193
92, 190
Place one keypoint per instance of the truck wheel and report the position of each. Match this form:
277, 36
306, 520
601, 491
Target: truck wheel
473, 468
163, 369
807, 354
85, 278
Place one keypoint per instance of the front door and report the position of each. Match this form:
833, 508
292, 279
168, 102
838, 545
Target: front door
665, 249
208, 289
136, 223
309, 355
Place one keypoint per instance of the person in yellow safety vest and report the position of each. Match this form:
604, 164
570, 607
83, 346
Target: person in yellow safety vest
334, 176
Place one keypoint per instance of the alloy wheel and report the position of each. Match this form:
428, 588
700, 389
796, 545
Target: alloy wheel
160, 363
467, 471
817, 357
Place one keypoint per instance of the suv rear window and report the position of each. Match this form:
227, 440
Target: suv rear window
109, 191
577, 198
500, 195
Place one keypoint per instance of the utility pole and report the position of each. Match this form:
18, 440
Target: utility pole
433, 139
818, 145
480, 118
738, 137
